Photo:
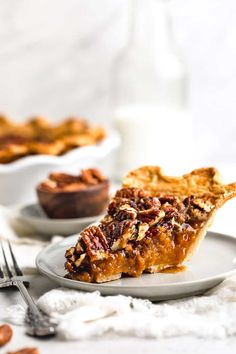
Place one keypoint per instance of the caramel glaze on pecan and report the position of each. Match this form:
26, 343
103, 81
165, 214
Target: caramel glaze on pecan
152, 231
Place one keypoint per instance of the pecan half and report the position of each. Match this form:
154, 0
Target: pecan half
98, 174
205, 205
131, 193
126, 212
197, 215
26, 351
142, 229
148, 203
80, 260
122, 240
151, 216
95, 242
92, 176
62, 178
5, 334
70, 252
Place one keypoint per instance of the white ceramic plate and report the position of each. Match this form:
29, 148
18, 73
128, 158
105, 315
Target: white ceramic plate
31, 220
215, 260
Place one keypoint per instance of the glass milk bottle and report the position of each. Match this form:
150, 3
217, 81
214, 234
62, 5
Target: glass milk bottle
150, 93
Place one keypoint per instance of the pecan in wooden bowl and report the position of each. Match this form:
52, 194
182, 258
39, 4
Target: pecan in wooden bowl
64, 196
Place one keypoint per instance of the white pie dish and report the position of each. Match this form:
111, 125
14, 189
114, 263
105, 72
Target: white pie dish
18, 179
214, 261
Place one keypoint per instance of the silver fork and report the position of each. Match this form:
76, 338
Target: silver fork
37, 323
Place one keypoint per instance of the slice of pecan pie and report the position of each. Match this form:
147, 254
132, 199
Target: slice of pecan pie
154, 222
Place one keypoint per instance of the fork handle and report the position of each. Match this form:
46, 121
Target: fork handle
38, 324
27, 297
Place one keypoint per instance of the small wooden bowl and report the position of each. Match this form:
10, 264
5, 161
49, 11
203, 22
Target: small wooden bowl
91, 201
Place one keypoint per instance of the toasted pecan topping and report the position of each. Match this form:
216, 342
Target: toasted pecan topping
70, 252
80, 260
95, 242
142, 229
205, 205
131, 193
133, 218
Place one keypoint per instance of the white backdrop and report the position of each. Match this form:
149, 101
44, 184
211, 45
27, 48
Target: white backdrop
56, 58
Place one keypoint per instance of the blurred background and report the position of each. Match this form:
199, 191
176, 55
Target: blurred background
134, 64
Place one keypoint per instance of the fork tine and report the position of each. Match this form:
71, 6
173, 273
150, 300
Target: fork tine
15, 264
10, 275
1, 273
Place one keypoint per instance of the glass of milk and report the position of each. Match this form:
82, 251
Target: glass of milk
150, 94
153, 135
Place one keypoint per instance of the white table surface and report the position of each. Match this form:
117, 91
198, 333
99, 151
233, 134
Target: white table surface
108, 345
225, 222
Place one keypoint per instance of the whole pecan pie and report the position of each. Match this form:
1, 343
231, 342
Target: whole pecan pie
154, 222
38, 136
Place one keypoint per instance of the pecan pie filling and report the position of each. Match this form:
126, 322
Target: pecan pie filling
140, 233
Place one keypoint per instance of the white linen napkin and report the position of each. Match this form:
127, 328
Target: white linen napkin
26, 247
86, 315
